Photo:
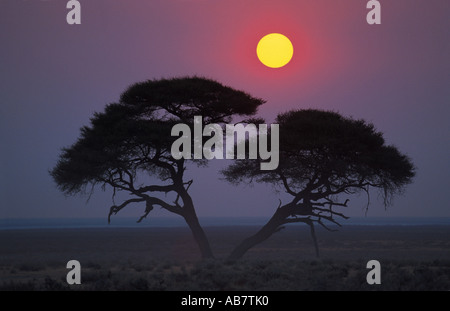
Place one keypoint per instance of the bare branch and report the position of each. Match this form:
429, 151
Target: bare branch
188, 183
295, 220
319, 221
368, 199
148, 209
91, 192
115, 209
176, 209
285, 184
331, 212
329, 218
156, 188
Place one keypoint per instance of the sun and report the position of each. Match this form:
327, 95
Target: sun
275, 50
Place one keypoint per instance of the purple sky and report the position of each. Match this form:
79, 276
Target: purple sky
54, 76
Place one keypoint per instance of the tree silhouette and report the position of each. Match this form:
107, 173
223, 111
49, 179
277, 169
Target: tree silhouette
131, 140
323, 158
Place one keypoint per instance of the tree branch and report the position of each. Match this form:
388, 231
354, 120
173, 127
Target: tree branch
331, 212
156, 188
285, 184
148, 209
176, 209
115, 209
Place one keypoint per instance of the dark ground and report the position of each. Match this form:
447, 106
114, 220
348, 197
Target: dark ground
411, 258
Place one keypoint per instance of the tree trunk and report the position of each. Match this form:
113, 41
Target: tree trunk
263, 234
190, 216
197, 231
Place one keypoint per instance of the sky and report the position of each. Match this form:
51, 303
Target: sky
54, 76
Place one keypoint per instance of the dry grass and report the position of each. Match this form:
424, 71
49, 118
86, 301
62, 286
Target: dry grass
257, 275
167, 259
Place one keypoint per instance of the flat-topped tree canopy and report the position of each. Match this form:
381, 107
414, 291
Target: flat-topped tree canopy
183, 98
324, 153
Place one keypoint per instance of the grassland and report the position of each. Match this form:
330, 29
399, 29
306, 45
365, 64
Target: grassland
412, 258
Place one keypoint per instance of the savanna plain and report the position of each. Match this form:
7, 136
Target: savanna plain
167, 259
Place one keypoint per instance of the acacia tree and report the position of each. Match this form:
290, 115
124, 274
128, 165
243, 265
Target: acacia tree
132, 139
323, 158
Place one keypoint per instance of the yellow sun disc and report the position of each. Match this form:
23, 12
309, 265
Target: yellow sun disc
275, 50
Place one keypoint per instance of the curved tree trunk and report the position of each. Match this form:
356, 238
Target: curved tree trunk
190, 216
278, 219
199, 234
263, 234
